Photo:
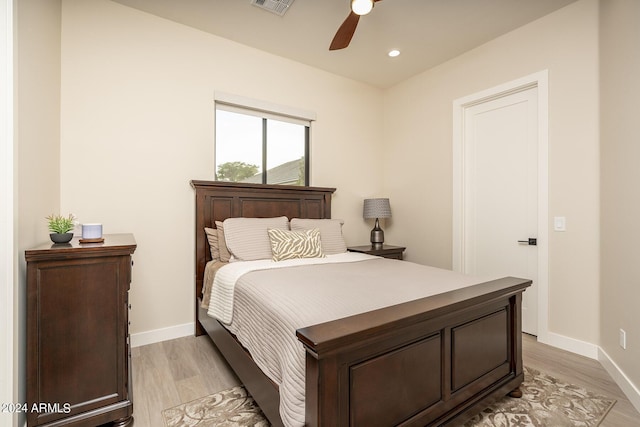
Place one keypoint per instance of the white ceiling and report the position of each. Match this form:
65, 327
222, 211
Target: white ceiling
427, 32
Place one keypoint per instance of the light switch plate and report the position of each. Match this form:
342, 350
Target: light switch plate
559, 223
623, 339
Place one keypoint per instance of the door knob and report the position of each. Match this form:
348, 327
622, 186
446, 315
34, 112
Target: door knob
531, 242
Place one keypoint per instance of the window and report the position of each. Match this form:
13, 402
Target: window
259, 147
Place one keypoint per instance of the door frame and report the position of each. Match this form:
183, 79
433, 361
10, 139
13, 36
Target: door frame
8, 361
540, 81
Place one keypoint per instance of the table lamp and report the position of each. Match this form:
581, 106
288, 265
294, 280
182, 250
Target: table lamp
377, 208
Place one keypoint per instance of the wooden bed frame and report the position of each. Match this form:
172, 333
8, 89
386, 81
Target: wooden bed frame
428, 362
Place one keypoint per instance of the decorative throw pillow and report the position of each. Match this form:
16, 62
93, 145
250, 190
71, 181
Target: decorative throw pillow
225, 255
212, 238
330, 233
247, 238
287, 244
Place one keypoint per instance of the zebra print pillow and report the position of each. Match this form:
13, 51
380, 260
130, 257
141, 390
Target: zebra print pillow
287, 244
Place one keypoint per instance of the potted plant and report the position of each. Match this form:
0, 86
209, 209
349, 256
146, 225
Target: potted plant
61, 228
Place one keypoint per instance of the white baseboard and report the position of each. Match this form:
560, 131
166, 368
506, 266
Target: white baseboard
573, 345
164, 334
628, 388
593, 351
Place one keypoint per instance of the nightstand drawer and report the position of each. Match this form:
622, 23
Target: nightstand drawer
386, 251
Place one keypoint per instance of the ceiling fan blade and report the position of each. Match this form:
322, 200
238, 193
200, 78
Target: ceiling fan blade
345, 32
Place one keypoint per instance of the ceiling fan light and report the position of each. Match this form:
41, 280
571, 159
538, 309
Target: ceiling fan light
361, 7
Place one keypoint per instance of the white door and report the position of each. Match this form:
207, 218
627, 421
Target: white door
500, 177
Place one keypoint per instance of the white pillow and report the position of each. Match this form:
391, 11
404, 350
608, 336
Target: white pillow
247, 238
287, 244
330, 233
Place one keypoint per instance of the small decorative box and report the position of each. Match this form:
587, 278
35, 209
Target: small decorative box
92, 233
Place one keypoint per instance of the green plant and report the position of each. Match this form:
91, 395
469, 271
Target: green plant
60, 224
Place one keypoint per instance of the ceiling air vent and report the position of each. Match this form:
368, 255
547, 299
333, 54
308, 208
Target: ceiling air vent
279, 7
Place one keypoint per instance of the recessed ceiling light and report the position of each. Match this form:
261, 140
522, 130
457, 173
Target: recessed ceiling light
393, 53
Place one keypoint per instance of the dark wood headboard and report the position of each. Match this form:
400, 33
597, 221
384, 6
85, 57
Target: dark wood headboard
217, 201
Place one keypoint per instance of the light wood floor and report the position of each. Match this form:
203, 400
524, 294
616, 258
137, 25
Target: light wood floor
177, 371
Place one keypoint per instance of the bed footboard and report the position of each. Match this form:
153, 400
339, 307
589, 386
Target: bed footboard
420, 363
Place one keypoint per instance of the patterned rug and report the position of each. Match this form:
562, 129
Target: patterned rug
228, 408
545, 402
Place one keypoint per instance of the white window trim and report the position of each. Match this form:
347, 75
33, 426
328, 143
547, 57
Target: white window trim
228, 101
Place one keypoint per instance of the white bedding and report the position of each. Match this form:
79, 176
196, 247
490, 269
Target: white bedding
224, 282
265, 307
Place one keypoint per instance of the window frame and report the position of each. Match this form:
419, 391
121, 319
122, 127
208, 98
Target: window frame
266, 111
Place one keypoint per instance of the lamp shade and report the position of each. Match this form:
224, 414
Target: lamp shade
376, 208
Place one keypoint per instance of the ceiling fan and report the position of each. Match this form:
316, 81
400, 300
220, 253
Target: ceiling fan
345, 32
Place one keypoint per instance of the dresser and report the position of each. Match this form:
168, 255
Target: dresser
78, 351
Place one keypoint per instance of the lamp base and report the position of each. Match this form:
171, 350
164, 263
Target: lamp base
377, 235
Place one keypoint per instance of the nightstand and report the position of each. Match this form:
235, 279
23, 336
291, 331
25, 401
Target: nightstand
386, 251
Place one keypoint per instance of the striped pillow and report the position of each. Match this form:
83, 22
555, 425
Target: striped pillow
330, 233
247, 238
287, 244
225, 255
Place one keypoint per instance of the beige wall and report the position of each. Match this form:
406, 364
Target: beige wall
38, 117
620, 209
418, 153
37, 132
137, 125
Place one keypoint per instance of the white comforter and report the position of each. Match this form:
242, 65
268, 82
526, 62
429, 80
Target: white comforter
264, 304
224, 283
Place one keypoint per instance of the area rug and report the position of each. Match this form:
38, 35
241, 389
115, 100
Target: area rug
228, 408
546, 402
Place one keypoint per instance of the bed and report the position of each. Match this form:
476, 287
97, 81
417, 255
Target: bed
427, 362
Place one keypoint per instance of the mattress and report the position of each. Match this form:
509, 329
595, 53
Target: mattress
265, 304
